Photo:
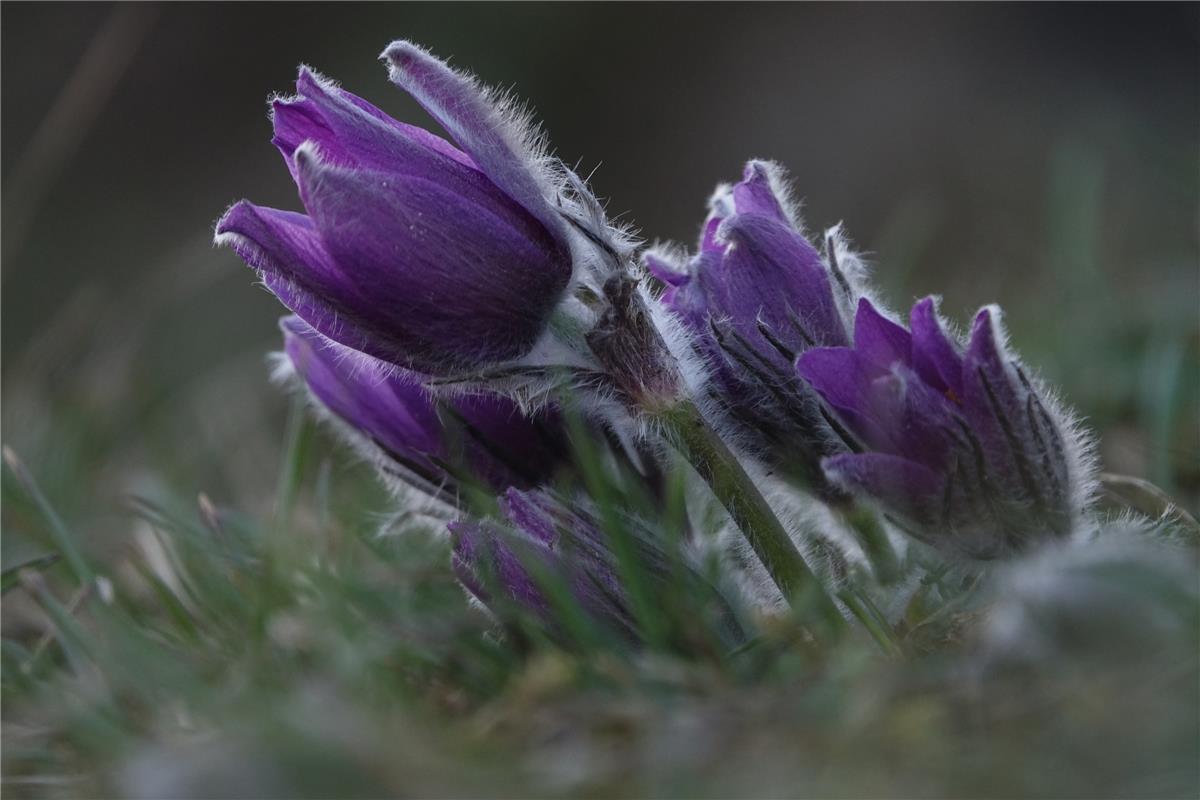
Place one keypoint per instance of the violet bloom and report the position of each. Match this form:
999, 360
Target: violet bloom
756, 295
541, 543
960, 446
412, 250
432, 444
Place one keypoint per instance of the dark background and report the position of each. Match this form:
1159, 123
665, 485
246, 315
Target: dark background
1041, 156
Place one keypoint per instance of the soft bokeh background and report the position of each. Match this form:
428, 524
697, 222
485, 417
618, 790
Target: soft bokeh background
266, 641
1044, 157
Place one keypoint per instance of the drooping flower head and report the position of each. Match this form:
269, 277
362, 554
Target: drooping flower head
958, 444
431, 443
756, 295
542, 543
412, 250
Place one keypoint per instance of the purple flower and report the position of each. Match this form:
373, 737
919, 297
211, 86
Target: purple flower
756, 295
958, 445
423, 441
412, 251
541, 544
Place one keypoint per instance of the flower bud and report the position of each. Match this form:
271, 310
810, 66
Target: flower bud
411, 250
540, 540
959, 445
434, 444
756, 295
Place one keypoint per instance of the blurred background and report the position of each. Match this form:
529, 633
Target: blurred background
1044, 157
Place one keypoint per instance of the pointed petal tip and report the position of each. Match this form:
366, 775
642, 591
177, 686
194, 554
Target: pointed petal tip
878, 338
865, 307
228, 228
292, 325
757, 169
239, 223
307, 75
927, 304
925, 320
937, 355
309, 82
988, 315
401, 53
987, 330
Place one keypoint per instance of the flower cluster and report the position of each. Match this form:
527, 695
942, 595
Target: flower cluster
447, 298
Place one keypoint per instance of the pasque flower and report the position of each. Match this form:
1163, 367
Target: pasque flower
426, 255
957, 443
489, 265
434, 444
754, 296
541, 544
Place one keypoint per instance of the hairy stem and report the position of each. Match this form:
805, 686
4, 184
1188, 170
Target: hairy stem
691, 434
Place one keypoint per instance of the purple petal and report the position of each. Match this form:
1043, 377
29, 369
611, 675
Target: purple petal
664, 270
581, 545
708, 235
838, 375
689, 300
904, 486
506, 447
567, 531
771, 273
878, 340
499, 445
524, 511
290, 256
350, 132
444, 283
993, 407
934, 357
386, 406
754, 195
918, 419
335, 103
465, 542
479, 550
471, 118
350, 135
297, 121
281, 242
